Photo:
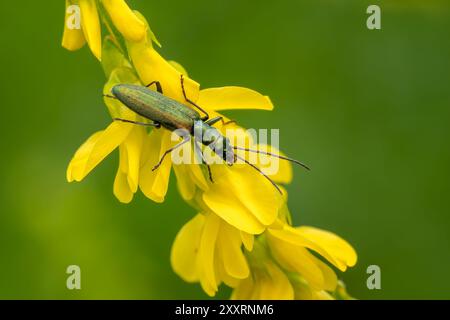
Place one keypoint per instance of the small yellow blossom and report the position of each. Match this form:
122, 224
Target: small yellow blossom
266, 282
284, 268
208, 250
73, 37
123, 18
128, 137
277, 265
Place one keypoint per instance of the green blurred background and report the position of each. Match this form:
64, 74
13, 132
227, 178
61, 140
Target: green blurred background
368, 110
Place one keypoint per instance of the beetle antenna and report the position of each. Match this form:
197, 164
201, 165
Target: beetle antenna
257, 169
274, 155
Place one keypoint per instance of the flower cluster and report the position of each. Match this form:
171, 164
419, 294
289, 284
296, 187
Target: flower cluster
242, 235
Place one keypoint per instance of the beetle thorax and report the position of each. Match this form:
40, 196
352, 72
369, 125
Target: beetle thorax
213, 138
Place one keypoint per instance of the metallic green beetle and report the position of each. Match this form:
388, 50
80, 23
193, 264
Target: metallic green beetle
173, 115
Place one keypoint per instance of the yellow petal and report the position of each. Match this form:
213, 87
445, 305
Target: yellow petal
73, 38
185, 184
97, 148
133, 145
121, 187
198, 177
326, 247
335, 246
114, 135
185, 249
297, 259
206, 251
247, 240
233, 98
274, 285
228, 207
128, 24
244, 290
91, 26
80, 158
151, 37
289, 235
243, 198
225, 277
284, 215
233, 259
304, 292
150, 67
189, 176
329, 276
154, 183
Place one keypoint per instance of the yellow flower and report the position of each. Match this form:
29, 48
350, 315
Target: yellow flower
277, 265
128, 137
123, 18
266, 281
243, 235
208, 250
291, 271
140, 152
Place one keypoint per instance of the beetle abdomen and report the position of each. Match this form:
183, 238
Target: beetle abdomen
156, 107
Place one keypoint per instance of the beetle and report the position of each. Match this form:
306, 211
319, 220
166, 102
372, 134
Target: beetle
166, 112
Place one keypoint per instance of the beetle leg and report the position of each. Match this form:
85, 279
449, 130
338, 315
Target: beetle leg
210, 174
158, 86
224, 123
206, 117
185, 140
199, 150
219, 118
157, 125
214, 120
